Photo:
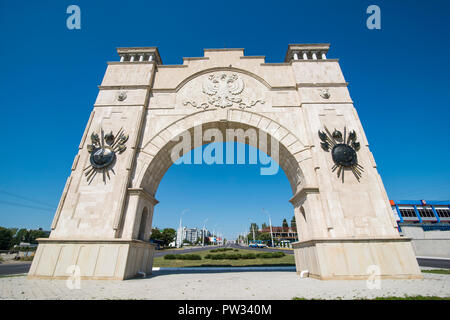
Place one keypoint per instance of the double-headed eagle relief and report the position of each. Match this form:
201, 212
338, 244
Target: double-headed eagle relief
103, 153
224, 91
343, 151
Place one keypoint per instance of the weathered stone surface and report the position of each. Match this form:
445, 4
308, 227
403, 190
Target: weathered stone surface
290, 101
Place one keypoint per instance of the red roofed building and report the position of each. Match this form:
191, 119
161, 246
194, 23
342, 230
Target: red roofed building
282, 233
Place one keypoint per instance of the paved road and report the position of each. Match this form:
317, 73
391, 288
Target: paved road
435, 263
16, 268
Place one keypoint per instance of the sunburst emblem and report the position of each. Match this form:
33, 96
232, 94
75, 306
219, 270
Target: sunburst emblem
103, 153
343, 151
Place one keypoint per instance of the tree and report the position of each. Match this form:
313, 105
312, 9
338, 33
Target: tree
36, 234
293, 223
20, 236
254, 226
207, 242
6, 238
156, 235
264, 236
263, 226
168, 235
285, 224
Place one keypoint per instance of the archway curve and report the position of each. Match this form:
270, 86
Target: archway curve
215, 69
155, 157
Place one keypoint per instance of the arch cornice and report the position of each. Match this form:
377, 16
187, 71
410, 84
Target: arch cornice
154, 160
215, 69
265, 127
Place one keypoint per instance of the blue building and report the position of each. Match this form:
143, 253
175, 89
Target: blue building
430, 215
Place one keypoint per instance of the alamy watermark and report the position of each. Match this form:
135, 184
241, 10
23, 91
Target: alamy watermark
74, 20
374, 20
374, 272
74, 279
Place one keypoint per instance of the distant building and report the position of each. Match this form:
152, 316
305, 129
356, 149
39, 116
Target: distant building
427, 223
191, 234
280, 234
430, 215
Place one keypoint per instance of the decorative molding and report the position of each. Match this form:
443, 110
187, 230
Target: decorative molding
121, 96
144, 193
311, 242
303, 192
325, 93
319, 85
224, 91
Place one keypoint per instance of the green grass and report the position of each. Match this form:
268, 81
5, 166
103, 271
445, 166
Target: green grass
388, 298
438, 271
13, 275
413, 298
287, 260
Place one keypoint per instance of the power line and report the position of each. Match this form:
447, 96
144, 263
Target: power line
26, 206
27, 199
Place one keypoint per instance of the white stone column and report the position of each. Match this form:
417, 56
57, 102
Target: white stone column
141, 58
324, 57
295, 56
122, 58
132, 58
150, 57
314, 55
305, 55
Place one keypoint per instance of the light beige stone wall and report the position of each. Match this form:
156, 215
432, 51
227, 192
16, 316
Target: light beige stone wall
285, 100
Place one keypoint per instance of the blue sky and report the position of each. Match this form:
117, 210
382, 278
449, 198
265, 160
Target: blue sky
398, 80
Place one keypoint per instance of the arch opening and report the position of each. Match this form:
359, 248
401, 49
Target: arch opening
229, 131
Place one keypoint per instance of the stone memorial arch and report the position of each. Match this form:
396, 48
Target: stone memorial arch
144, 108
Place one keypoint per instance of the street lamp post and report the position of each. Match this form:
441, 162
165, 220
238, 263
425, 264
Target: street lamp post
270, 224
203, 233
180, 229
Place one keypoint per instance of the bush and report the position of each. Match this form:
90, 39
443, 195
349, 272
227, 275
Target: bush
222, 250
182, 257
233, 256
270, 255
190, 257
236, 256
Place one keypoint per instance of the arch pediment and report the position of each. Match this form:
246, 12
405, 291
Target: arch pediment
223, 88
222, 69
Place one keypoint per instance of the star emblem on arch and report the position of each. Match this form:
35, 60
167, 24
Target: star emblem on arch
103, 150
344, 150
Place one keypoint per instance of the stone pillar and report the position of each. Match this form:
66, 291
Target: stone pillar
88, 230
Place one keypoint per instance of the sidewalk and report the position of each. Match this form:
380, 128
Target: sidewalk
214, 284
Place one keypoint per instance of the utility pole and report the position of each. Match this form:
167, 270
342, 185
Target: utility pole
180, 230
270, 224
203, 233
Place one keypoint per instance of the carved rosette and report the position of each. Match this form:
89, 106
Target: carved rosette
223, 90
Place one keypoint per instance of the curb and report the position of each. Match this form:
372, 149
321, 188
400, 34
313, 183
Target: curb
281, 268
435, 258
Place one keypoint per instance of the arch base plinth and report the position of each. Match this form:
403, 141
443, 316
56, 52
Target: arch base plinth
114, 259
357, 258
